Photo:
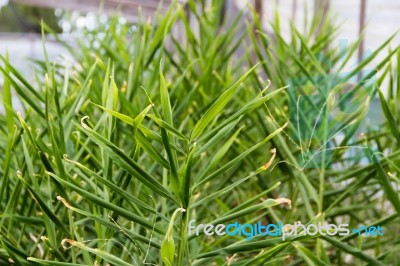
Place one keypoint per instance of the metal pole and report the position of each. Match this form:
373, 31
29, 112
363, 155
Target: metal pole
258, 5
363, 7
294, 9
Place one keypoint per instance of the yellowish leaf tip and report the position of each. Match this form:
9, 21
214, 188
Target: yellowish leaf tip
64, 202
268, 164
284, 201
83, 119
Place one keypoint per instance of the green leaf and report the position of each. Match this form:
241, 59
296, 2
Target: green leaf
218, 106
43, 205
394, 128
122, 159
101, 253
108, 205
167, 250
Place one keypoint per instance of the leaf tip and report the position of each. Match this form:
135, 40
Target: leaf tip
268, 164
83, 120
284, 201
59, 198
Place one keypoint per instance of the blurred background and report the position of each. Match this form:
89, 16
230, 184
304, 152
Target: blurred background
20, 30
20, 20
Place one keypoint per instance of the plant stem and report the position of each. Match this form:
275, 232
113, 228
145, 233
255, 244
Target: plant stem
183, 243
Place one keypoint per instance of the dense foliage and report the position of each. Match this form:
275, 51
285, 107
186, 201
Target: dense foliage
147, 129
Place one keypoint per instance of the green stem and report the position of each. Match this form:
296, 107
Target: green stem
183, 244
